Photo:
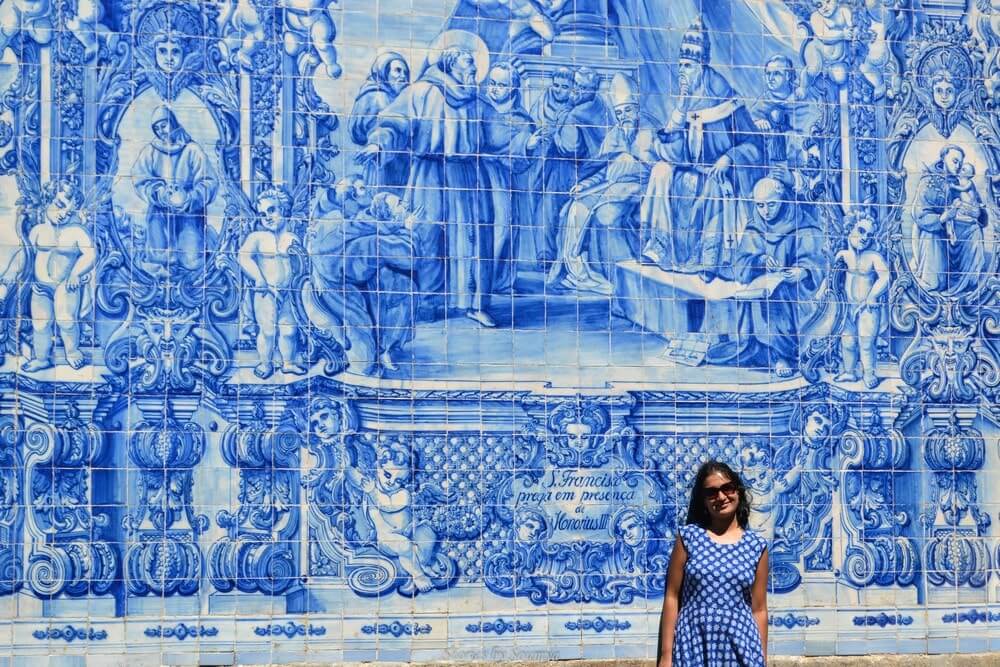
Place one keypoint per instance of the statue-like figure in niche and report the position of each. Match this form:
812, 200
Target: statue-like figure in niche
865, 283
63, 264
265, 257
949, 249
174, 177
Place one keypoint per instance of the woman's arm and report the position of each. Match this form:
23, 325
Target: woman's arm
758, 599
671, 604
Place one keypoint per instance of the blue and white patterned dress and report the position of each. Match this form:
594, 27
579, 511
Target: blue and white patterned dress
715, 626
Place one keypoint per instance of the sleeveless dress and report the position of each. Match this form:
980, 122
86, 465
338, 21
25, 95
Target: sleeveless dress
715, 626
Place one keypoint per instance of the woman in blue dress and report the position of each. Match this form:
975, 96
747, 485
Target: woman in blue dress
715, 605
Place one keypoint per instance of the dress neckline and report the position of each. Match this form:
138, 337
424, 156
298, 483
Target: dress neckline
709, 537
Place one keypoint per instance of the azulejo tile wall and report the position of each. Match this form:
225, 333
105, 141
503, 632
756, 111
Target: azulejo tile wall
396, 329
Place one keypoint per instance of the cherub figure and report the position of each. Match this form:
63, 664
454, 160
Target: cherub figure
309, 33
63, 262
265, 257
33, 17
388, 503
86, 25
802, 495
827, 51
865, 284
875, 64
242, 30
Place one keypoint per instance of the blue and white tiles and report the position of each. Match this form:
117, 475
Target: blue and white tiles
396, 329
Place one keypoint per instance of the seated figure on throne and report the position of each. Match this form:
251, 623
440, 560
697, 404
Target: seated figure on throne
608, 198
782, 239
698, 199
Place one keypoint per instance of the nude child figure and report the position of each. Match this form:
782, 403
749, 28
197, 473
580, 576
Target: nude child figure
64, 259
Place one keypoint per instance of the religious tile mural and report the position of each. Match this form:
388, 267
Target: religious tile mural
396, 329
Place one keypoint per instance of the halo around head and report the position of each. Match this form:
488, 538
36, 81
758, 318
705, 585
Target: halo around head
465, 40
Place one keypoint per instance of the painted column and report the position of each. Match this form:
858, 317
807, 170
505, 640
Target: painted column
956, 555
259, 555
163, 558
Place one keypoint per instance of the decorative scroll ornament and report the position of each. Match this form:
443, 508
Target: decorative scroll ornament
258, 553
956, 553
11, 506
878, 550
69, 554
163, 558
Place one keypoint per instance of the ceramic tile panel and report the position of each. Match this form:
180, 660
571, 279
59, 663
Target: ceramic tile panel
396, 329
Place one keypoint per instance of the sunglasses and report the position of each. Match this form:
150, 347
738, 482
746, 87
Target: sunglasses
728, 489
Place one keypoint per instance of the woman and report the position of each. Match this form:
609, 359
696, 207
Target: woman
715, 606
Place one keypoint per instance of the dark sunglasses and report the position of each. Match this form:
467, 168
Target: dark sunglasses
729, 489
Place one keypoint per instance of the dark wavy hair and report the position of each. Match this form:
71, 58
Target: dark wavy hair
698, 513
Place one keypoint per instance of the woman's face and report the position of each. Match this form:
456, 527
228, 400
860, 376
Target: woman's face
721, 496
